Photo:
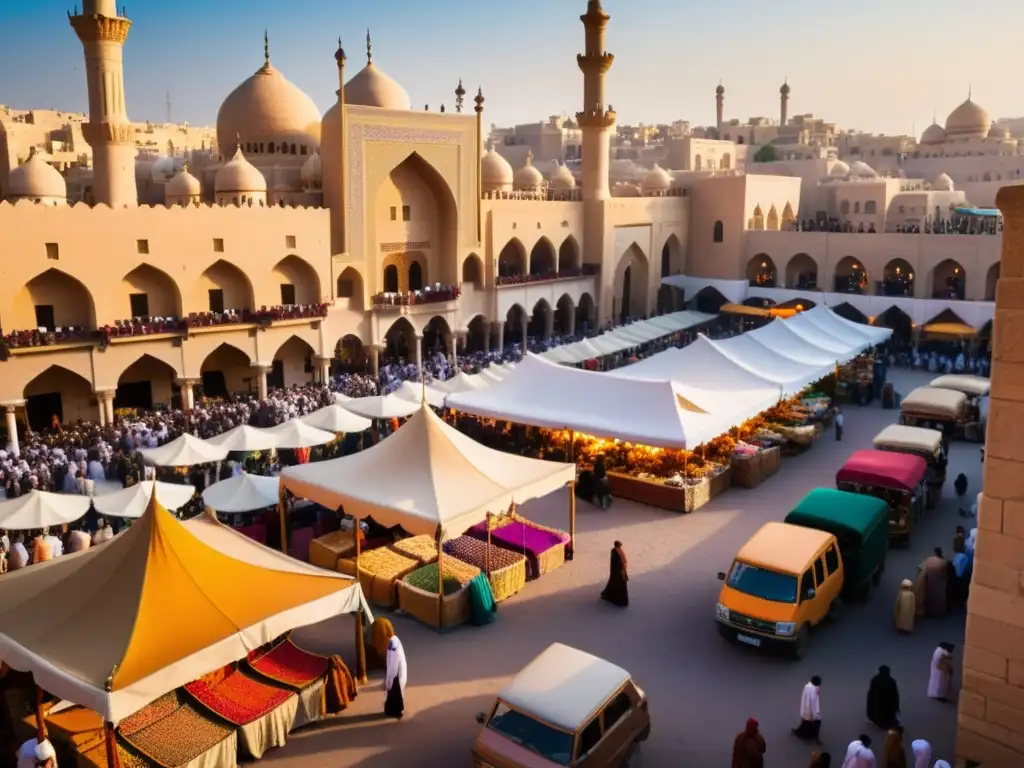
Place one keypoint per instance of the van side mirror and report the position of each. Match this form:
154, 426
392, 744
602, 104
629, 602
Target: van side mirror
481, 718
721, 575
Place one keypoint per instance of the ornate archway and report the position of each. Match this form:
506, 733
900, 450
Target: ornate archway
850, 276
222, 286
298, 282
565, 316
400, 340
542, 259
350, 289
632, 277
225, 371
516, 321
802, 273
149, 292
292, 364
350, 354
585, 314
146, 384
541, 320
761, 271
569, 255
61, 394
512, 259
52, 299
898, 278
949, 280
473, 272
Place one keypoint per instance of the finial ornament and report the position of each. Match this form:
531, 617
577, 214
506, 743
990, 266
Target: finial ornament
266, 48
238, 142
479, 100
339, 55
970, 91
460, 92
369, 48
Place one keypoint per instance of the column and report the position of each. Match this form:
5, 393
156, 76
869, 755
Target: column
325, 371
108, 405
102, 409
526, 330
991, 701
488, 330
500, 327
12, 428
188, 393
418, 352
261, 379
375, 359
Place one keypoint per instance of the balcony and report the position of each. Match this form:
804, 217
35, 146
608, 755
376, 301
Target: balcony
411, 302
505, 281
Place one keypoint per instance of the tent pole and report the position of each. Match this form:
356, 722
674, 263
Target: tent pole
487, 552
40, 718
282, 518
113, 759
440, 583
361, 677
572, 519
570, 450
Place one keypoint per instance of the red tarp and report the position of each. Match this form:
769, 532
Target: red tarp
883, 468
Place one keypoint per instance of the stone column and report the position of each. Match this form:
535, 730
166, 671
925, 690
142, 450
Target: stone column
500, 327
488, 330
261, 379
375, 359
526, 334
12, 427
991, 714
325, 371
101, 406
418, 353
107, 399
188, 394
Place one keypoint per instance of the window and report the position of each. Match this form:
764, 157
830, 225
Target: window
406, 213
590, 737
615, 711
832, 560
806, 585
760, 582
394, 213
869, 207
218, 242
819, 572
289, 241
270, 149
139, 304
142, 246
287, 294
543, 740
216, 300
345, 289
52, 251
844, 207
719, 234
44, 316
856, 207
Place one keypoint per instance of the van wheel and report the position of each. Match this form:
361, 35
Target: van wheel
630, 759
835, 610
803, 642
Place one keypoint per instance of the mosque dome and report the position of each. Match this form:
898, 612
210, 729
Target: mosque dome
562, 178
184, 184
861, 170
839, 168
623, 170
165, 167
528, 177
943, 183
497, 175
239, 175
998, 132
370, 87
268, 108
933, 134
36, 179
657, 179
720, 90
968, 121
312, 172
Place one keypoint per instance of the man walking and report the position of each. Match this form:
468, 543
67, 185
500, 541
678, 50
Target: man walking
839, 424
810, 712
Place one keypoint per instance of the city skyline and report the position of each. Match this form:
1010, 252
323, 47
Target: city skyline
858, 72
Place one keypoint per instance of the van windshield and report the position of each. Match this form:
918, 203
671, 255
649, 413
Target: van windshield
548, 742
760, 582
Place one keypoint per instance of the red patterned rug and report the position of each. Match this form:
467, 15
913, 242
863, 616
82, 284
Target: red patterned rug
238, 699
290, 665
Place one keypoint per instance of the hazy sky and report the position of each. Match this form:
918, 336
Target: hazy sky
878, 65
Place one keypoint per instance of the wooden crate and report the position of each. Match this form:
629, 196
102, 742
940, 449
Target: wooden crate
657, 494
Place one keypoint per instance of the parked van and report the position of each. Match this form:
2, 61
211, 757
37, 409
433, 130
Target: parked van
784, 580
918, 441
567, 708
934, 408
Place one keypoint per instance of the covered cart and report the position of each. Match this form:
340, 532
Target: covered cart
896, 478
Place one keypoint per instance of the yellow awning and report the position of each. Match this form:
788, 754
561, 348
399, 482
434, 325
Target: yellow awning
959, 330
743, 309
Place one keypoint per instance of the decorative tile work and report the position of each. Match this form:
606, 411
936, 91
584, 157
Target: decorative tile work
420, 245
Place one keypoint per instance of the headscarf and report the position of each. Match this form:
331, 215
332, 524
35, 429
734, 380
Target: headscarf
922, 753
906, 584
941, 764
396, 665
752, 726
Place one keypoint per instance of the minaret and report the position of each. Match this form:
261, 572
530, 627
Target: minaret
112, 138
340, 215
719, 108
784, 102
597, 118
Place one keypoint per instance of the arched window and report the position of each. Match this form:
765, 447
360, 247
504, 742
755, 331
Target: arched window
270, 149
869, 207
293, 149
844, 207
415, 277
719, 235
856, 207
391, 279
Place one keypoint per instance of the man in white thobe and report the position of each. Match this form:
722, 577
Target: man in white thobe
941, 678
56, 545
37, 754
810, 712
859, 754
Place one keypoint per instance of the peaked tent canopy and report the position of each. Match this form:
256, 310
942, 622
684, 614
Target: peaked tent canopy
414, 391
242, 493
426, 475
132, 501
184, 451
296, 433
791, 375
336, 418
810, 331
244, 438
381, 407
845, 329
778, 337
461, 382
42, 509
111, 649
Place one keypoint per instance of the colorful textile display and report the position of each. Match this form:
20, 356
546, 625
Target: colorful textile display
507, 569
455, 572
543, 547
421, 548
289, 665
176, 733
239, 699
482, 608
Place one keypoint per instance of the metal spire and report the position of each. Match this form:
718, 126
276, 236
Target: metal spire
369, 48
266, 48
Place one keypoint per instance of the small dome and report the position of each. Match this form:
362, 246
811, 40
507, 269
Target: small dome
239, 175
165, 167
968, 121
720, 90
183, 185
862, 170
839, 168
36, 179
370, 87
528, 177
562, 178
312, 173
496, 171
933, 134
943, 183
623, 170
998, 132
784, 90
657, 179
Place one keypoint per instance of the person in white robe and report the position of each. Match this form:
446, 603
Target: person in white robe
922, 753
859, 754
942, 764
810, 712
941, 678
56, 545
395, 679
37, 754
103, 534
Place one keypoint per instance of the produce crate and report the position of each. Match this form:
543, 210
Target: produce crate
657, 494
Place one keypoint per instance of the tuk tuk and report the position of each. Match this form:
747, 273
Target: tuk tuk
918, 441
896, 478
976, 389
859, 523
933, 408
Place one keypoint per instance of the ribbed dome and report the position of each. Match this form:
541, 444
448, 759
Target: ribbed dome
839, 168
943, 183
933, 134
657, 179
36, 179
496, 172
183, 185
562, 178
268, 108
862, 170
968, 121
528, 177
239, 175
372, 88
312, 173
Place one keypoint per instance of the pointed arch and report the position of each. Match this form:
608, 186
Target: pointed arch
350, 289
848, 311
899, 321
850, 276
718, 234
417, 279
391, 278
586, 313
52, 299
478, 334
772, 222
473, 271
349, 350
148, 292
802, 272
223, 286
542, 259
565, 316
512, 259
299, 282
541, 320
788, 217
671, 256
949, 280
292, 364
761, 271
438, 336
569, 255
632, 279
898, 278
227, 370
992, 281
758, 218
147, 383
58, 392
516, 321
400, 339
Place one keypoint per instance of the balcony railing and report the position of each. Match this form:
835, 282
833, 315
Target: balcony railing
587, 270
431, 295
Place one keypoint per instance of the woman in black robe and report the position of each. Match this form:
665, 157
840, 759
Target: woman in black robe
883, 700
617, 591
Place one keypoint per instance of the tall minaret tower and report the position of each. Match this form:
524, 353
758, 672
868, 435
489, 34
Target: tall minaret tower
784, 102
112, 138
597, 118
719, 108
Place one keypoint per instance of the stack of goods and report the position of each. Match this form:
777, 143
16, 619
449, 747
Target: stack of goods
417, 593
544, 548
753, 463
263, 713
422, 549
818, 407
327, 550
96, 757
81, 731
506, 569
171, 732
379, 570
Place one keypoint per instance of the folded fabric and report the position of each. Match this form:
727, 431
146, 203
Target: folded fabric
289, 665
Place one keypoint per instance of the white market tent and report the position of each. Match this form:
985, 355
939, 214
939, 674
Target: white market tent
656, 413
184, 451
426, 475
844, 329
782, 340
626, 337
340, 398
42, 509
789, 374
414, 392
132, 501
296, 433
381, 407
493, 374
810, 331
335, 418
242, 493
244, 438
460, 382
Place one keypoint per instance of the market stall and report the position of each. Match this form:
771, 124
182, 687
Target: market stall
792, 376
337, 419
242, 494
429, 479
782, 339
382, 407
842, 348
244, 438
462, 382
846, 330
132, 502
42, 509
416, 392
504, 568
296, 433
184, 451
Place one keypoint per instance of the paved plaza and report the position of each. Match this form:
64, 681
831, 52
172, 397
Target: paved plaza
701, 689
